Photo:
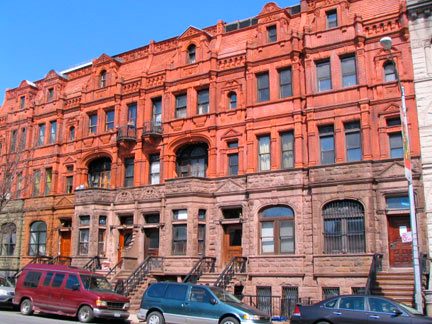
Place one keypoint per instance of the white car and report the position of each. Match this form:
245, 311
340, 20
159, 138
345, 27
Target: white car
7, 291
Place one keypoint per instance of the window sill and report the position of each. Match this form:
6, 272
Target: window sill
230, 221
277, 256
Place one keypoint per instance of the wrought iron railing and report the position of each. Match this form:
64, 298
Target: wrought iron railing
375, 266
204, 264
236, 265
114, 270
126, 287
44, 259
276, 306
127, 132
93, 264
152, 128
65, 260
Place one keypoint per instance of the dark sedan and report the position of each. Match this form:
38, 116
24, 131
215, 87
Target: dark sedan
355, 309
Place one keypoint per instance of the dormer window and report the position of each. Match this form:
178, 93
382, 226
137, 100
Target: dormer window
22, 102
331, 19
191, 54
50, 94
102, 79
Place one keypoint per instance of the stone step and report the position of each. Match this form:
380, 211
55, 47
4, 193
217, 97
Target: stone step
395, 276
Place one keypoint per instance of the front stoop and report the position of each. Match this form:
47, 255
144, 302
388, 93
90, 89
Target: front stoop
397, 285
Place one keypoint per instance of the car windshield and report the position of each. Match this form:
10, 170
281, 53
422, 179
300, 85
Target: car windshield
225, 296
96, 283
409, 309
4, 282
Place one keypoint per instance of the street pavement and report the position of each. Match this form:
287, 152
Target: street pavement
10, 316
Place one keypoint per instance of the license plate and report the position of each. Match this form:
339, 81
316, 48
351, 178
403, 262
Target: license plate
116, 314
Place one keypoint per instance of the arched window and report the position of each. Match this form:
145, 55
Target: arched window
191, 54
344, 227
192, 161
389, 71
37, 239
99, 173
277, 230
8, 239
102, 79
72, 133
232, 97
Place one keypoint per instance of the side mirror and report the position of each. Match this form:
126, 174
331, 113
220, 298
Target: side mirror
213, 301
397, 312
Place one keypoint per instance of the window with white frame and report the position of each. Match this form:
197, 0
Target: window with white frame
277, 230
154, 169
203, 101
264, 152
181, 106
323, 75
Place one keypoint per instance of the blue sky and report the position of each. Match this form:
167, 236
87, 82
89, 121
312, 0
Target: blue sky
38, 36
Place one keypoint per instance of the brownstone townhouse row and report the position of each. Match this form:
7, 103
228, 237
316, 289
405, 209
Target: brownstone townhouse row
274, 142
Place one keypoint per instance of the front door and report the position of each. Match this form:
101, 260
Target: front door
232, 242
65, 243
151, 242
400, 250
125, 239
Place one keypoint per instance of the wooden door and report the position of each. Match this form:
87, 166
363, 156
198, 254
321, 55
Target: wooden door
65, 243
151, 242
400, 253
232, 242
125, 239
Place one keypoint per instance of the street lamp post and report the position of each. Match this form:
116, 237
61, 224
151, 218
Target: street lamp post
386, 43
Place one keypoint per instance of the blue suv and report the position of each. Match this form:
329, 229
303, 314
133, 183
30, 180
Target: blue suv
179, 303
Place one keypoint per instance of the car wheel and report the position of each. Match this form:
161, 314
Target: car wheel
322, 322
230, 320
26, 307
155, 318
85, 314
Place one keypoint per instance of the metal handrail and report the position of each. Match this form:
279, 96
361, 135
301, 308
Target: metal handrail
59, 259
236, 265
375, 266
202, 265
93, 264
36, 259
125, 287
115, 268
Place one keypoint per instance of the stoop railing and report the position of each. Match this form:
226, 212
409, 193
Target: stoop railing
205, 264
375, 266
126, 287
236, 265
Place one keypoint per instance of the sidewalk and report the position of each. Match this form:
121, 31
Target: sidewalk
134, 320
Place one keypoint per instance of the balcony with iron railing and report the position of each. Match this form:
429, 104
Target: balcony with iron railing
127, 133
152, 129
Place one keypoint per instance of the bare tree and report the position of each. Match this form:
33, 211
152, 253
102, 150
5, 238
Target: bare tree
10, 172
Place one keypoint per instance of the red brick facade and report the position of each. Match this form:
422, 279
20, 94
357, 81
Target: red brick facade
221, 92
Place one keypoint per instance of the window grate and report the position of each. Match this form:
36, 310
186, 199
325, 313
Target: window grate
289, 300
328, 292
344, 227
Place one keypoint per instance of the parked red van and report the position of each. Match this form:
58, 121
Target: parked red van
63, 290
